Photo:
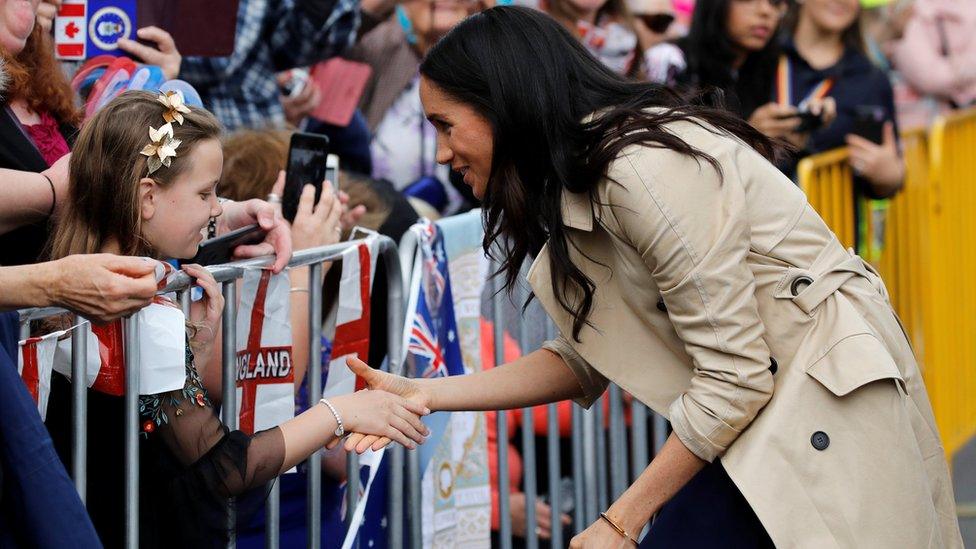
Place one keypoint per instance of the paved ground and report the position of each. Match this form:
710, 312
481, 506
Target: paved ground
964, 479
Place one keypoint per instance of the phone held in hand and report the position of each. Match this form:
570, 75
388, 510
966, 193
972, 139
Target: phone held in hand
307, 163
216, 251
869, 122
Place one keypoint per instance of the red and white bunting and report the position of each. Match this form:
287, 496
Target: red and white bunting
265, 373
71, 30
35, 364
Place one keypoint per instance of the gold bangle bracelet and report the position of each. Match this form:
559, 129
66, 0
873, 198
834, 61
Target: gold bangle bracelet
619, 530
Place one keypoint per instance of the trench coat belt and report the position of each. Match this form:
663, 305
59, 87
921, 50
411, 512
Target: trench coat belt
827, 274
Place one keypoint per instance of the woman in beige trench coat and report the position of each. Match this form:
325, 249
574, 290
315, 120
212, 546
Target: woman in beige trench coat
680, 264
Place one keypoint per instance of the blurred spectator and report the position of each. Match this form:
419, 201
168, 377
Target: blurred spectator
936, 55
242, 90
607, 28
404, 144
825, 51
732, 47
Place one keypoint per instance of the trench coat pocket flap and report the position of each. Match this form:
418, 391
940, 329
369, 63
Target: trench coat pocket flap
854, 362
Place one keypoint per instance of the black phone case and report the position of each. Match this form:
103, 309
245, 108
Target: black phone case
294, 181
218, 250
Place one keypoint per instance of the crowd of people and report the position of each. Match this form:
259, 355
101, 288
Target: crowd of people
90, 202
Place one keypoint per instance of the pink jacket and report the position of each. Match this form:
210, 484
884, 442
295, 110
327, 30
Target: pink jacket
919, 54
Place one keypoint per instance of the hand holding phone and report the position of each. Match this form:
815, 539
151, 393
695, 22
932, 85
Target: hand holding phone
216, 251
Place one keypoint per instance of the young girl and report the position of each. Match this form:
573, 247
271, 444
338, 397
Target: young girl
142, 183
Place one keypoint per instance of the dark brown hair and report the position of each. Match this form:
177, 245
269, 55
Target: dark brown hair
535, 84
852, 37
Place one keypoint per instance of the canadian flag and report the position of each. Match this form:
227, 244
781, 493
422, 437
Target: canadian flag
265, 373
35, 364
352, 318
71, 30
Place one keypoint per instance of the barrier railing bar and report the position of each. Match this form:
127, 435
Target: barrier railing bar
314, 374
272, 516
590, 471
79, 409
660, 433
638, 438
395, 319
504, 489
600, 423
529, 487
618, 444
552, 455
228, 405
407, 252
579, 495
131, 432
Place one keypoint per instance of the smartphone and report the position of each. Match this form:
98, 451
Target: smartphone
332, 170
308, 156
808, 122
220, 249
296, 82
869, 122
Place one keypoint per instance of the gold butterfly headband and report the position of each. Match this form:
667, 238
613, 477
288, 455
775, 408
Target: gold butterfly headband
161, 149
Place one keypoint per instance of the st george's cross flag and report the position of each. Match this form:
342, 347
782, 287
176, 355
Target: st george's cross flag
265, 372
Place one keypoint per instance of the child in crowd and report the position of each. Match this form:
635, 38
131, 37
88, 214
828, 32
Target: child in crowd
142, 182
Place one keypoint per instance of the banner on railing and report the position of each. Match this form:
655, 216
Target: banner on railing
265, 373
35, 364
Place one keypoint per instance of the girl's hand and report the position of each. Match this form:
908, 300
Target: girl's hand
205, 314
825, 108
164, 55
317, 224
601, 535
350, 216
378, 380
880, 164
383, 414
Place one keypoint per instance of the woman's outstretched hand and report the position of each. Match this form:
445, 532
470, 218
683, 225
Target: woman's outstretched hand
379, 380
383, 414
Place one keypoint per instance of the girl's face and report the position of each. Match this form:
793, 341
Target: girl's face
464, 138
174, 216
834, 16
751, 24
16, 23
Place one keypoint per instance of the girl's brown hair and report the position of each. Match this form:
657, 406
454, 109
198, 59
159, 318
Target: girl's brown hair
36, 77
106, 167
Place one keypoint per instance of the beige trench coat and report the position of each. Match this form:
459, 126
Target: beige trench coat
730, 308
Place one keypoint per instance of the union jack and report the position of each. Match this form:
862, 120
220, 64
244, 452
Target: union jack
424, 343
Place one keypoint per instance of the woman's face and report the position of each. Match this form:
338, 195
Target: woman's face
16, 23
465, 141
586, 6
751, 24
434, 18
174, 216
834, 16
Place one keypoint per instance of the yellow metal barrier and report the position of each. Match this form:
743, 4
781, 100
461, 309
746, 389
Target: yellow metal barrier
827, 181
950, 329
904, 255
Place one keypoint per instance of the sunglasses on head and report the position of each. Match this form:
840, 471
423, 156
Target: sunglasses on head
658, 22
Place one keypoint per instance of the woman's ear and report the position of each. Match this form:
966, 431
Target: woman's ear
148, 197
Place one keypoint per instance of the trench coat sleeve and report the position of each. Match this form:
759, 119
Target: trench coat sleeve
591, 381
689, 224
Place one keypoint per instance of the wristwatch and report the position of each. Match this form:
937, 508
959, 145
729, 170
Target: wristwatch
340, 430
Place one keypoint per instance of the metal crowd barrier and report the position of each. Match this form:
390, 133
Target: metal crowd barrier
950, 329
227, 275
828, 182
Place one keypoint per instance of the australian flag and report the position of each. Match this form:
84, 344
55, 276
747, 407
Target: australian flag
433, 338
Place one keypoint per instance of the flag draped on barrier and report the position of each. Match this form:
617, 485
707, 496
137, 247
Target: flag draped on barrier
35, 364
265, 373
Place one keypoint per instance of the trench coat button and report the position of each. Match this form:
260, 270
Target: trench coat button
820, 440
661, 306
795, 288
773, 365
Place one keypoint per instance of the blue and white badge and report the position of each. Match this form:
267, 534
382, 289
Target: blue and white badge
109, 21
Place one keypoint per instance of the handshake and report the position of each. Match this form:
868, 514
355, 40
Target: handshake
390, 410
